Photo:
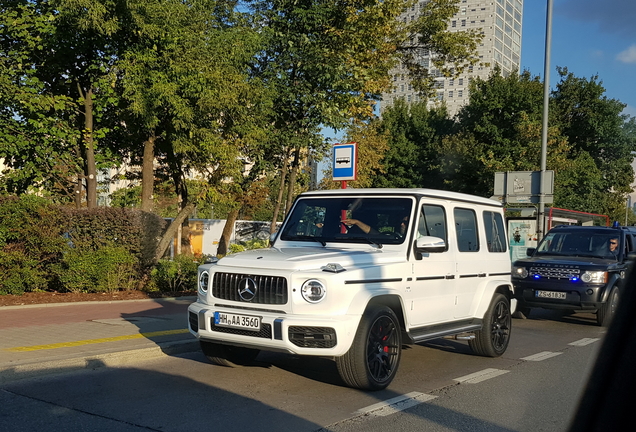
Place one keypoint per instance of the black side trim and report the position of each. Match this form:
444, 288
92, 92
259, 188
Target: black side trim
500, 274
423, 278
468, 276
366, 281
425, 333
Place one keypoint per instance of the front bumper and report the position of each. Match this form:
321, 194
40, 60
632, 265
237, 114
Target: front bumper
302, 335
577, 297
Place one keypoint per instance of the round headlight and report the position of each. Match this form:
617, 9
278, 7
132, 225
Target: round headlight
204, 280
313, 291
520, 272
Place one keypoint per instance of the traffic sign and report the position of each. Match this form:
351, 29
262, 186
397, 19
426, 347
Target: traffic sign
344, 161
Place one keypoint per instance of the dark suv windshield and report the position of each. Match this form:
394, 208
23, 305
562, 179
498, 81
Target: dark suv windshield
580, 243
319, 220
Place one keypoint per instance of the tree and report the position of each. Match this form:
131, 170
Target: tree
38, 136
414, 133
598, 132
325, 63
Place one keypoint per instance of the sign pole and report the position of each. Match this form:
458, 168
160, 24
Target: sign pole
344, 163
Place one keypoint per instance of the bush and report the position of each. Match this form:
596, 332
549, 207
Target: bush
20, 274
135, 230
30, 242
107, 269
177, 275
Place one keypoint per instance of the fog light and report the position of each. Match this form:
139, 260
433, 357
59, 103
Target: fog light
589, 292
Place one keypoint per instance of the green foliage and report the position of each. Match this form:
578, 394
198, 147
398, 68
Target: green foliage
20, 273
590, 143
30, 241
129, 197
107, 269
414, 133
235, 248
136, 231
175, 275
248, 245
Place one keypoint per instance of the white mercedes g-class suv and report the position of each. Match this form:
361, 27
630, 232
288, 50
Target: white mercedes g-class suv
354, 274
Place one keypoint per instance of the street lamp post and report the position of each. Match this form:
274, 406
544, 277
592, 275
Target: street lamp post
544, 131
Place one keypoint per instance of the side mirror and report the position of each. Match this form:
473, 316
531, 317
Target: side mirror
272, 237
429, 244
530, 251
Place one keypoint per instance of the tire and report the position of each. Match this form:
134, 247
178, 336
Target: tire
228, 355
373, 359
492, 340
606, 312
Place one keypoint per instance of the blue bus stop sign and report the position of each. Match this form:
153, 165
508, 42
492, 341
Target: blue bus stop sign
344, 161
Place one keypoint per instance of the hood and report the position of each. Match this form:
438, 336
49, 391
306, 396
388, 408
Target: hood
566, 260
309, 258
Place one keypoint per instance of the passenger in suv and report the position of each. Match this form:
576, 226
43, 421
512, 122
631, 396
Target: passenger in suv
435, 264
578, 268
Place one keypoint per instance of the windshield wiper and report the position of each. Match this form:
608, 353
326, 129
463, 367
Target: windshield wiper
306, 237
368, 240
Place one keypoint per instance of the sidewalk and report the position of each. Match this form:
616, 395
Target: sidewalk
38, 340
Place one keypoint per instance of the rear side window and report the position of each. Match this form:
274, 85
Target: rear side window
466, 228
495, 234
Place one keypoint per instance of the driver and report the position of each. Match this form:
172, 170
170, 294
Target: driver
367, 229
613, 246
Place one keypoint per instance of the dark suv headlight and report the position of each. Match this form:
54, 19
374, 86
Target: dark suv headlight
519, 272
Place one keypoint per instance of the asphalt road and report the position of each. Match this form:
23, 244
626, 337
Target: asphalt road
441, 386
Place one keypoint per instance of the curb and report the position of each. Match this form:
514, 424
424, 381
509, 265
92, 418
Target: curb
47, 305
112, 359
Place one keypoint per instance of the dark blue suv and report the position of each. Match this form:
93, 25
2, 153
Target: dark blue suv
579, 268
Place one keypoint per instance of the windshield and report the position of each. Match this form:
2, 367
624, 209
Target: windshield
578, 243
377, 221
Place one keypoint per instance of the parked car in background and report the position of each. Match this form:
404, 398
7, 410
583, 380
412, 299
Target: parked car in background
575, 268
354, 274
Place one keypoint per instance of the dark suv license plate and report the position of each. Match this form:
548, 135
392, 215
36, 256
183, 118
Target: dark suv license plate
550, 294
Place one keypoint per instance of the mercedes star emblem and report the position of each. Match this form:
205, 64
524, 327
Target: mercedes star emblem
247, 289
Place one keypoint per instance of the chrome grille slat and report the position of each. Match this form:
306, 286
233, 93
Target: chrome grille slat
271, 289
555, 272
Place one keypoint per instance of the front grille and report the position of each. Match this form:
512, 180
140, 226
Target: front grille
265, 332
312, 337
269, 289
194, 321
555, 272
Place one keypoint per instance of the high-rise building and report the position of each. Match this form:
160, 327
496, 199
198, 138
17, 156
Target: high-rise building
500, 22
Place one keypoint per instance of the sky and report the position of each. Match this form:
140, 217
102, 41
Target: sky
589, 37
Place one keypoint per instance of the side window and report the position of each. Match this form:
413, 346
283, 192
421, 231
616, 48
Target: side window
466, 228
495, 232
432, 222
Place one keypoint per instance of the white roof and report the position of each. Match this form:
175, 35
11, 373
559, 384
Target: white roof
433, 193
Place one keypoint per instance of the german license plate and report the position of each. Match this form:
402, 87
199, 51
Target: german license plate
245, 322
550, 294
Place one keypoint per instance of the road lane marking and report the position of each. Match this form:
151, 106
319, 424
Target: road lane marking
584, 342
396, 404
542, 356
96, 341
480, 376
